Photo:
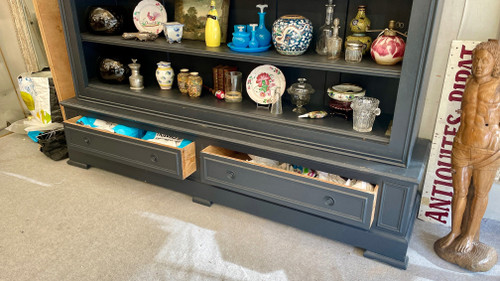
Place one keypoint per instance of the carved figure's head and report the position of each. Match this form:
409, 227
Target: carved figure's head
486, 59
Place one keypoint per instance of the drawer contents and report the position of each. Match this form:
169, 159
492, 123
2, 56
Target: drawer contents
149, 150
311, 173
133, 132
294, 187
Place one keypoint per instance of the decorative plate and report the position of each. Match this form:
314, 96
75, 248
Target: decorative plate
149, 16
261, 80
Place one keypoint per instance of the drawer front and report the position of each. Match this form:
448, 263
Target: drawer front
137, 153
312, 196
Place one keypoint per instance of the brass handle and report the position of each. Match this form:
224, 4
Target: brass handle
86, 140
230, 175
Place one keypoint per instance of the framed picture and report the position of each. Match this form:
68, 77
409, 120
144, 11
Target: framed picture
193, 14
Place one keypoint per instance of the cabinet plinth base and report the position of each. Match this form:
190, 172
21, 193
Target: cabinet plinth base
403, 264
202, 201
78, 164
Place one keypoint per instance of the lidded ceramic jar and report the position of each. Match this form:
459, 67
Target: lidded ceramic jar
388, 48
301, 94
182, 79
194, 84
292, 34
165, 75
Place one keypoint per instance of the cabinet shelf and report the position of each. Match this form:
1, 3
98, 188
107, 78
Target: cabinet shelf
245, 110
309, 60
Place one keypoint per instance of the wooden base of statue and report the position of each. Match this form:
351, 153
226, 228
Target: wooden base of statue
480, 259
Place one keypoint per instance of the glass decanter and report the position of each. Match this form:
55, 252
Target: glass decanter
325, 30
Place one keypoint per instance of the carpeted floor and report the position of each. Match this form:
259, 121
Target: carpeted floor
59, 222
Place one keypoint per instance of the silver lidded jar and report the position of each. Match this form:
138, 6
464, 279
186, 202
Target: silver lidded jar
136, 79
353, 51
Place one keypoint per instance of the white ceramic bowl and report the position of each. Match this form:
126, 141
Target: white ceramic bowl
345, 92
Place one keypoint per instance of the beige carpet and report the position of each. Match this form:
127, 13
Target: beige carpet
59, 222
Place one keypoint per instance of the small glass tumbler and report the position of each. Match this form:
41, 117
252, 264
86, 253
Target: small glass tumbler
353, 51
233, 86
364, 111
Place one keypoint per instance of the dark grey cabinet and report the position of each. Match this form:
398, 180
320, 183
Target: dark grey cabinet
391, 156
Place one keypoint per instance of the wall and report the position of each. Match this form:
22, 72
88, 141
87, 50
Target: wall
460, 20
10, 109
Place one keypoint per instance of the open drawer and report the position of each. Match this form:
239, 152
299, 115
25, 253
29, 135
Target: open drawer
229, 169
162, 159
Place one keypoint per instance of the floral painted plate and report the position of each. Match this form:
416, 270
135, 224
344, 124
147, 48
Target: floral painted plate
149, 16
261, 80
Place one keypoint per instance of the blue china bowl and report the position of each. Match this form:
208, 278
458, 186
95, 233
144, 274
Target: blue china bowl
241, 39
292, 34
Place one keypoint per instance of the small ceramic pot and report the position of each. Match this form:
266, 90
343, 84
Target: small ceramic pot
165, 75
292, 34
173, 31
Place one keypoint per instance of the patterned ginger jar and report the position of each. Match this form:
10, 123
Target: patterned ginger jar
292, 34
182, 78
165, 75
194, 85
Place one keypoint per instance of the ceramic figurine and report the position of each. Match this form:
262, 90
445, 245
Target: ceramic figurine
292, 34
173, 31
359, 25
263, 35
165, 75
388, 48
194, 84
475, 158
253, 41
182, 78
136, 79
105, 20
325, 30
141, 36
212, 27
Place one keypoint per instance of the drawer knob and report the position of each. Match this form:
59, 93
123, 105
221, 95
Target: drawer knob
230, 175
329, 201
86, 140
154, 158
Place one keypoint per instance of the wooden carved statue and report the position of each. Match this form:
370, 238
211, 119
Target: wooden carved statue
475, 160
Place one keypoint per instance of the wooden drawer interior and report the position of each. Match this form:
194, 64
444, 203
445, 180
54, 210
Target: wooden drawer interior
173, 161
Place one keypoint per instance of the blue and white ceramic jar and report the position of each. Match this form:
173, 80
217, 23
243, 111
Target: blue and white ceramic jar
292, 34
165, 75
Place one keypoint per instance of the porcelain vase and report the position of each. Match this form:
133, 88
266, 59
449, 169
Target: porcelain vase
165, 75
